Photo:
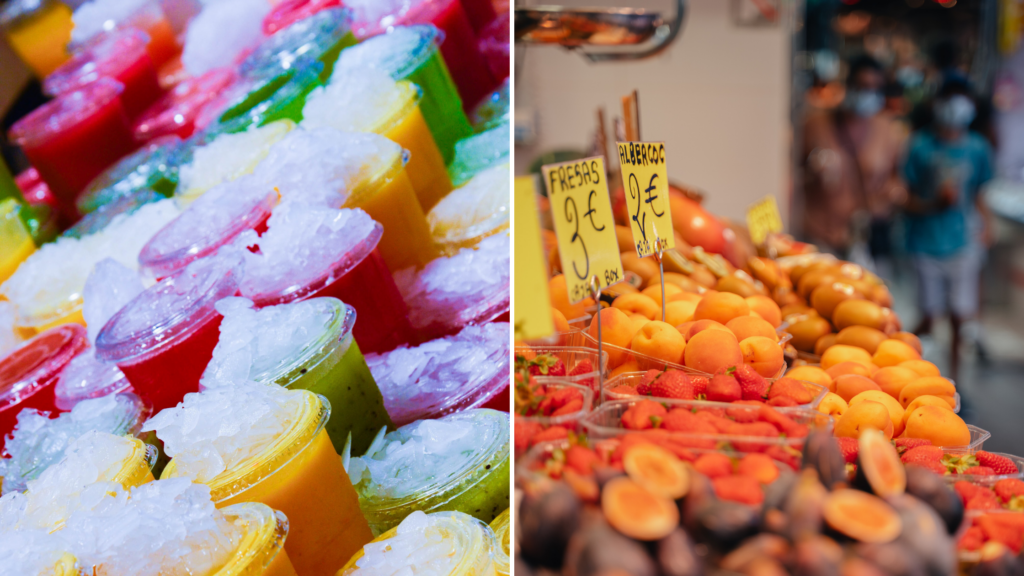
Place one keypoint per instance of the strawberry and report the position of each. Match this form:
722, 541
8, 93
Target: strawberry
1000, 465
584, 366
972, 539
936, 467
904, 444
714, 465
679, 420
742, 489
1011, 492
547, 365
850, 447
569, 408
786, 455
922, 454
525, 431
643, 415
1003, 528
759, 429
983, 501
644, 387
741, 413
792, 388
759, 467
724, 387
581, 459
784, 423
753, 386
553, 433
966, 490
980, 471
782, 402
700, 385
672, 384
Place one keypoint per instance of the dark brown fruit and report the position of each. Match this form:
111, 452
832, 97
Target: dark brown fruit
760, 546
659, 471
805, 505
725, 524
822, 454
522, 568
854, 566
927, 538
701, 495
893, 558
636, 512
997, 560
861, 516
817, 556
600, 550
879, 468
676, 556
775, 493
931, 489
548, 516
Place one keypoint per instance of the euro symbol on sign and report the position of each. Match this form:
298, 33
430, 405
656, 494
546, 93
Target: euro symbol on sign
651, 197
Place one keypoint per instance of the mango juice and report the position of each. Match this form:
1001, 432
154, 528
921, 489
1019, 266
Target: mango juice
426, 167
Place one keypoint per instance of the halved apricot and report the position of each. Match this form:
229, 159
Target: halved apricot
879, 465
862, 516
636, 511
658, 470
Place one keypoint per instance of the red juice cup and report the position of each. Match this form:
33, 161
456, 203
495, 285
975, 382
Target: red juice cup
175, 113
72, 139
29, 374
215, 219
289, 12
495, 45
479, 12
121, 55
163, 339
355, 273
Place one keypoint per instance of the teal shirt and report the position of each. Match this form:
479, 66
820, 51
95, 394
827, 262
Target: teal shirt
967, 162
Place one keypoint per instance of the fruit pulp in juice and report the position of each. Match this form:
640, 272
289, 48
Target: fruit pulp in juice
441, 106
370, 289
166, 375
326, 526
426, 167
68, 161
406, 240
467, 66
357, 406
41, 40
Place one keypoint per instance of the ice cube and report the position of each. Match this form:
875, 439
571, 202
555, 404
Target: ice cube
221, 32
356, 100
9, 339
227, 157
31, 553
98, 16
480, 207
374, 16
88, 377
108, 288
395, 53
423, 545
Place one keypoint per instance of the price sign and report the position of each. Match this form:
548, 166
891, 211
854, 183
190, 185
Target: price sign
763, 219
582, 212
645, 178
532, 301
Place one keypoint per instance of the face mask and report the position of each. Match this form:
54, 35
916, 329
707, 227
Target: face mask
864, 103
955, 112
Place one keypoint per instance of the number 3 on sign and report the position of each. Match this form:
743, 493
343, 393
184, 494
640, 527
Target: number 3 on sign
582, 211
645, 178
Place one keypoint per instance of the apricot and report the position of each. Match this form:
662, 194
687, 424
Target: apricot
523, 349
625, 368
679, 312
654, 291
909, 338
712, 350
616, 290
721, 307
735, 285
764, 354
660, 340
922, 367
687, 284
848, 368
636, 512
861, 337
685, 297
561, 326
925, 400
796, 309
658, 470
892, 352
833, 405
638, 321
865, 415
617, 329
824, 343
929, 386
807, 331
638, 304
811, 280
890, 403
840, 353
826, 297
892, 379
766, 308
859, 313
880, 295
702, 325
862, 517
942, 427
560, 299
850, 385
645, 268
624, 236
746, 326
811, 374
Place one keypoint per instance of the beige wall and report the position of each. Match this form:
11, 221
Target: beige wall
718, 98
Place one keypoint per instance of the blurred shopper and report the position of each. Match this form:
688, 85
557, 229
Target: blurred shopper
851, 166
948, 224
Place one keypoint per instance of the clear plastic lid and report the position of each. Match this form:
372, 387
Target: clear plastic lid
263, 536
373, 17
18, 11
37, 362
311, 37
108, 57
338, 321
69, 109
473, 211
398, 53
480, 152
154, 166
168, 311
493, 110
289, 12
177, 110
264, 100
87, 377
210, 222
102, 217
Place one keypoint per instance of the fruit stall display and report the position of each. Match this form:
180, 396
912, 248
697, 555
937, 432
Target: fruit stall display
773, 418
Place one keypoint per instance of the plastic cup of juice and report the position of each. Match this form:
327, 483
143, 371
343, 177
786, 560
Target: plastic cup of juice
28, 375
321, 36
261, 549
215, 219
495, 46
176, 111
98, 19
39, 32
163, 339
153, 167
86, 378
284, 473
120, 55
411, 53
476, 210
452, 541
492, 111
467, 370
60, 138
480, 152
264, 100
98, 220
289, 12
15, 241
317, 354
469, 474
503, 545
36, 553
341, 262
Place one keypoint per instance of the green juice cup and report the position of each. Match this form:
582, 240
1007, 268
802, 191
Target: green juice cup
260, 101
321, 36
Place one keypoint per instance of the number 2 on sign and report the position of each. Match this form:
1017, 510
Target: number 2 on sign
582, 213
643, 168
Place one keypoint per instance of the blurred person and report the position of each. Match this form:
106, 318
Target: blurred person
948, 225
851, 166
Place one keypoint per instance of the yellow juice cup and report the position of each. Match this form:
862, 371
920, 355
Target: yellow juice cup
301, 475
261, 551
66, 566
503, 543
15, 242
39, 33
387, 195
407, 128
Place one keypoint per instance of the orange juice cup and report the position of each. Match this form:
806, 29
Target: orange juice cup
15, 242
38, 32
301, 475
261, 551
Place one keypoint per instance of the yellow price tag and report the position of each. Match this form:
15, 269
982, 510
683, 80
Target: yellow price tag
645, 178
584, 226
763, 219
532, 301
